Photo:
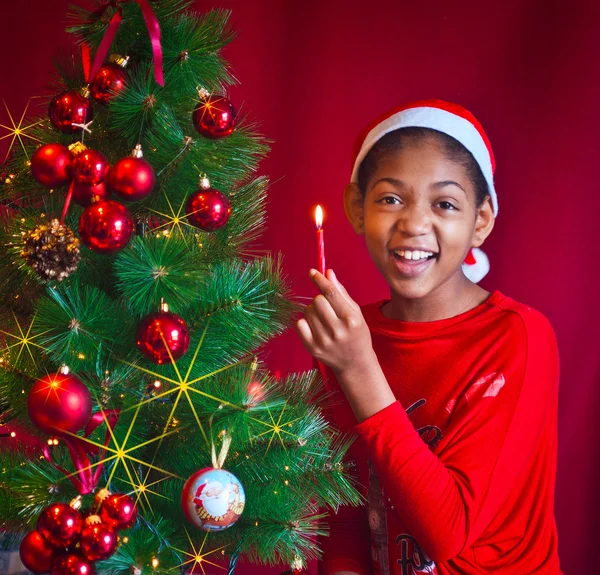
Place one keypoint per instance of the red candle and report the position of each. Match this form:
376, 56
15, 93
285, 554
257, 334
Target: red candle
320, 239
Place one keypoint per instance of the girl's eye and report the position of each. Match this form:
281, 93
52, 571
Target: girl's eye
389, 200
447, 206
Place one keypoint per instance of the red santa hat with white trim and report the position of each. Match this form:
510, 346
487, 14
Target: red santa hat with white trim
455, 121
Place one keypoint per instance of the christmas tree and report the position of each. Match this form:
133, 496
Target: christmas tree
134, 308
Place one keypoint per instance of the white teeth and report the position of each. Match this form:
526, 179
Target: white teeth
414, 255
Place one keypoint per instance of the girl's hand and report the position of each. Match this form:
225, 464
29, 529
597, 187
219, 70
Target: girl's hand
333, 329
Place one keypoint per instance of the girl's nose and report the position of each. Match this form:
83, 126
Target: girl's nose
414, 220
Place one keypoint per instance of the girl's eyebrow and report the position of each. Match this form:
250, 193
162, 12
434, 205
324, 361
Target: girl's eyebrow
438, 185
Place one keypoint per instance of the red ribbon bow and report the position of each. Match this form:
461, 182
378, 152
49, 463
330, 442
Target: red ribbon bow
111, 31
85, 478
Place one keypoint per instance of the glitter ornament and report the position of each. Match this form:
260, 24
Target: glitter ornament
60, 525
213, 499
52, 250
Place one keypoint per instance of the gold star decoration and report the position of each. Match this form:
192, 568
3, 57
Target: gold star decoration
174, 220
278, 429
18, 131
198, 558
23, 340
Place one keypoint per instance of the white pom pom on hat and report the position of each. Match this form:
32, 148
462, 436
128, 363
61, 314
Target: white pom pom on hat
450, 119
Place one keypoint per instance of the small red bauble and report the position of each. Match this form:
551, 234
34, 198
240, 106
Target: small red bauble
109, 81
68, 108
98, 541
72, 564
118, 510
86, 195
105, 226
90, 167
214, 117
51, 165
158, 329
59, 402
132, 178
208, 209
36, 553
60, 525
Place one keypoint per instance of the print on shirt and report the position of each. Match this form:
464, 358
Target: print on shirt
412, 559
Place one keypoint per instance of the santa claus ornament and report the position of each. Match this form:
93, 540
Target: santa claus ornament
213, 498
454, 121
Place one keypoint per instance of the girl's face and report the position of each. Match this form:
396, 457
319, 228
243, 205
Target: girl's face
418, 200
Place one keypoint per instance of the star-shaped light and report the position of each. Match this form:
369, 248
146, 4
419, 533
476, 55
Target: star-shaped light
23, 340
174, 220
18, 131
196, 557
277, 428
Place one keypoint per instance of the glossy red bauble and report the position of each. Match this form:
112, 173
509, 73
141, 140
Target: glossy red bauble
51, 165
72, 564
60, 525
90, 168
161, 329
109, 81
68, 108
97, 542
118, 510
36, 553
59, 402
131, 179
214, 117
86, 195
105, 227
208, 209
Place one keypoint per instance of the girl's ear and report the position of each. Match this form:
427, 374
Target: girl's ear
354, 208
484, 224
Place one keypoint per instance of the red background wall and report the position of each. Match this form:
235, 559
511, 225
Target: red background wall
314, 73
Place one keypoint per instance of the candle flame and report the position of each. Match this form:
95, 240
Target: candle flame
319, 217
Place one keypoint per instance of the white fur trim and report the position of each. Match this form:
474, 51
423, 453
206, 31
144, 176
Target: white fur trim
435, 119
477, 271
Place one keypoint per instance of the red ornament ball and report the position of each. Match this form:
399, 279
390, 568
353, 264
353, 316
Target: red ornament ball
213, 499
208, 209
68, 108
98, 541
60, 525
59, 402
214, 117
132, 179
90, 167
51, 165
105, 227
118, 511
36, 553
86, 195
158, 329
72, 564
109, 81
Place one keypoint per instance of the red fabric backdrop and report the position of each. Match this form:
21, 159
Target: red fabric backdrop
315, 72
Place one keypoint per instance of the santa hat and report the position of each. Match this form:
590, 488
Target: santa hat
453, 120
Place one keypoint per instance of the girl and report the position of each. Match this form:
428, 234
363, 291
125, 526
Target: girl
452, 390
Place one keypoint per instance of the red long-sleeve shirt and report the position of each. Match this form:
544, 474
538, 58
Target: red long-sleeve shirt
459, 472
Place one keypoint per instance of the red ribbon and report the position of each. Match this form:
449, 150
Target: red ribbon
85, 479
111, 31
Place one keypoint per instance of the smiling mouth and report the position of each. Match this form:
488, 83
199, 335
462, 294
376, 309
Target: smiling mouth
416, 265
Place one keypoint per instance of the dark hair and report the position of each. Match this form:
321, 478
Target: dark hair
396, 140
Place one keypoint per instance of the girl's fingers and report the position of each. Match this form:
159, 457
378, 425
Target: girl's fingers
305, 334
316, 327
333, 295
327, 317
